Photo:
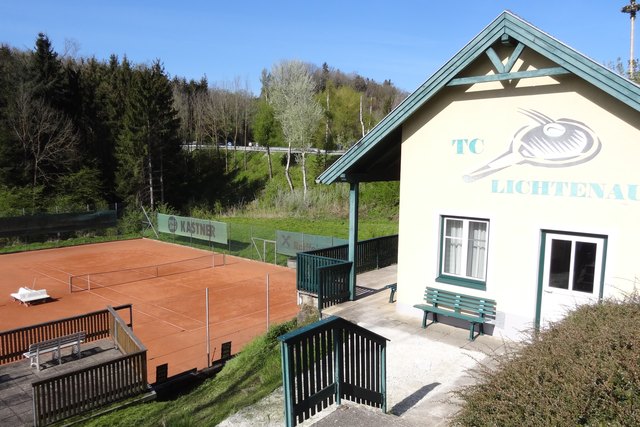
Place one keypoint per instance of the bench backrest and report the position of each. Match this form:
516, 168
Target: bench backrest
65, 339
460, 302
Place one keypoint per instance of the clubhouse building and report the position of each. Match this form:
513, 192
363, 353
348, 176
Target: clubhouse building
519, 178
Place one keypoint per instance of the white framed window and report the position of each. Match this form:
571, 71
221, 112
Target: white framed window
463, 251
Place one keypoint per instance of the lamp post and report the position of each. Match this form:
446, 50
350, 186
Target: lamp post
631, 9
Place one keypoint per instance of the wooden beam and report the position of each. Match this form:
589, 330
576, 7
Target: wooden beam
497, 64
544, 72
514, 57
354, 196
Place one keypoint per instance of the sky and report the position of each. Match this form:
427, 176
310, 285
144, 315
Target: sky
233, 41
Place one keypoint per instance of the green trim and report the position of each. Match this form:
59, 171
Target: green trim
354, 201
543, 246
454, 280
460, 281
543, 72
514, 57
604, 266
505, 25
493, 57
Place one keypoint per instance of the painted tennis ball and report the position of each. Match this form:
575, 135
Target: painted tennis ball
554, 130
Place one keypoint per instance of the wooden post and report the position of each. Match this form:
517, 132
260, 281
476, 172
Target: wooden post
354, 195
338, 361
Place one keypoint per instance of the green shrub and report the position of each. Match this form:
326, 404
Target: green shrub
583, 370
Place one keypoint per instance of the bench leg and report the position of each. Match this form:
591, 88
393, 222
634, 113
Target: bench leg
472, 330
392, 295
434, 319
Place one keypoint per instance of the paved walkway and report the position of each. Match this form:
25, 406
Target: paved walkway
16, 395
423, 366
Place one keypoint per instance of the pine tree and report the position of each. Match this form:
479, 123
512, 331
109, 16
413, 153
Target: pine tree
148, 149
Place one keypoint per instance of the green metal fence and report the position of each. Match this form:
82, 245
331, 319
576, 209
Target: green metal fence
371, 254
327, 361
333, 284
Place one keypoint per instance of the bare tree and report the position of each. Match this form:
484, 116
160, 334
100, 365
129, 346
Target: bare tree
48, 138
291, 94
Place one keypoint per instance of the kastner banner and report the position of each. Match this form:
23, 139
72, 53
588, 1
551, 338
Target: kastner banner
202, 229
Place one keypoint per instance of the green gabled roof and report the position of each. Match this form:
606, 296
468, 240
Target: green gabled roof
377, 155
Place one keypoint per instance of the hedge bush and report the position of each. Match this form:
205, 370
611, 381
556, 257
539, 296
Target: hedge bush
583, 370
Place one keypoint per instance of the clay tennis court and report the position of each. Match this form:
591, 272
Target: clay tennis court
168, 294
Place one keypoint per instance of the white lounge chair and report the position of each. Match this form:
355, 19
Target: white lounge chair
27, 295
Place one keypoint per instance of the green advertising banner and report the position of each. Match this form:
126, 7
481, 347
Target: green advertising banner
290, 243
202, 229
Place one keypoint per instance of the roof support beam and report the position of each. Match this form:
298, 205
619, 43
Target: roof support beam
354, 201
544, 72
514, 57
495, 60
497, 63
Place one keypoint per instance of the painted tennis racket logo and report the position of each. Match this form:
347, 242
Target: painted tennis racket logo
549, 143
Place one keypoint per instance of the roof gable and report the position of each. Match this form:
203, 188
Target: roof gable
363, 161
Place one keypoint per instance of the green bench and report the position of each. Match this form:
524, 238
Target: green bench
476, 310
393, 287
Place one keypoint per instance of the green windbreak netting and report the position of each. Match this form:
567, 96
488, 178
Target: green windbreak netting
290, 243
56, 223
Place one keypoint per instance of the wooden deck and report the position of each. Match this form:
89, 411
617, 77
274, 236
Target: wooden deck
16, 406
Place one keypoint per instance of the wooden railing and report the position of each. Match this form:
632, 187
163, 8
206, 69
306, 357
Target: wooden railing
333, 284
330, 360
82, 390
307, 277
376, 253
370, 255
122, 334
15, 342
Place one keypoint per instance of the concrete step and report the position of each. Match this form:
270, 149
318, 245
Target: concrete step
354, 415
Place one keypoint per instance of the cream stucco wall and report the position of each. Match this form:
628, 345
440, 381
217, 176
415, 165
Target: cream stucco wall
436, 158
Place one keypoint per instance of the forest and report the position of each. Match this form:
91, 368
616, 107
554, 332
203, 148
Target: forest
79, 133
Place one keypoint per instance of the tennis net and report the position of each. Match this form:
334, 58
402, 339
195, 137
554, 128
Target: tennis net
88, 281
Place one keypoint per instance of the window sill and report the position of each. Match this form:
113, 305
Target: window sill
466, 283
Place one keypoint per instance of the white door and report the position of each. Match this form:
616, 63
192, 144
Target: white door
572, 274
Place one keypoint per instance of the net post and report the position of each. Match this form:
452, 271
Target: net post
88, 282
267, 301
70, 285
208, 336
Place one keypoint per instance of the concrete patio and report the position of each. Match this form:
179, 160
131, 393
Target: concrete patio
423, 366
16, 395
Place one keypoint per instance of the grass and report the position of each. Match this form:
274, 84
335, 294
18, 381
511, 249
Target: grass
584, 370
250, 376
